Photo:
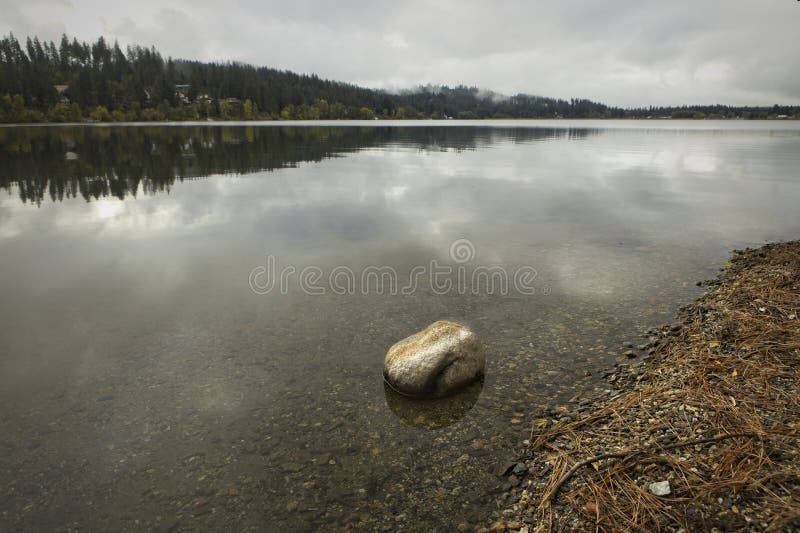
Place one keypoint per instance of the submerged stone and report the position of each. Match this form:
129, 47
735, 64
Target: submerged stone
439, 360
433, 413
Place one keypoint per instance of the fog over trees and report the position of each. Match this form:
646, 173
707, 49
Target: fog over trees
71, 81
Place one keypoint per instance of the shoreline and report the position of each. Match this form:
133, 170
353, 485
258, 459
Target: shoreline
702, 433
400, 120
555, 123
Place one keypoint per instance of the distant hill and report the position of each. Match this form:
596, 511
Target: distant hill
73, 81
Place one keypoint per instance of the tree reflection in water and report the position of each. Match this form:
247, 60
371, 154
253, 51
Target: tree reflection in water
91, 162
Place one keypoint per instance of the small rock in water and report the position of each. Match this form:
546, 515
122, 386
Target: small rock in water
660, 488
291, 467
503, 468
437, 361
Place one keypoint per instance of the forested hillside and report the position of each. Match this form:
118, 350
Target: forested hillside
73, 81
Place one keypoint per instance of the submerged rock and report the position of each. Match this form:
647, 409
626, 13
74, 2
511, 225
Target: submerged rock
439, 360
433, 413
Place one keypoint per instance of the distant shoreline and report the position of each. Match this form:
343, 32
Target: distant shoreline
427, 121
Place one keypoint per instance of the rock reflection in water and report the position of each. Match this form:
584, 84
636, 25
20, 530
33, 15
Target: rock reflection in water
433, 413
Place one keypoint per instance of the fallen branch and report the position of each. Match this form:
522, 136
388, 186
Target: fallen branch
630, 453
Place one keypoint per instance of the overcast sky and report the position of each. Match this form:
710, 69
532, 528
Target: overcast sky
624, 52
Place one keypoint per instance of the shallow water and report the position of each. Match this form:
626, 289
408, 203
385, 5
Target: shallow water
148, 378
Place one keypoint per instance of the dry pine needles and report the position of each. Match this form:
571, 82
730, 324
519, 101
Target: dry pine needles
715, 412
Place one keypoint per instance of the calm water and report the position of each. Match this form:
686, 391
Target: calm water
145, 384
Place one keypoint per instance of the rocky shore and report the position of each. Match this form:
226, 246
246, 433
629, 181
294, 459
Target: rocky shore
700, 432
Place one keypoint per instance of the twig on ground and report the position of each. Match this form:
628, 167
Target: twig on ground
631, 453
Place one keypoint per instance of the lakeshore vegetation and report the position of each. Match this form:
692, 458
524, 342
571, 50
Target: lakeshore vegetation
74, 81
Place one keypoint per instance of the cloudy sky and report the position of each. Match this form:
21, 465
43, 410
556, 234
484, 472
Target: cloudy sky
625, 52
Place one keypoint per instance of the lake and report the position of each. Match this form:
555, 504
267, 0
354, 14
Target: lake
194, 317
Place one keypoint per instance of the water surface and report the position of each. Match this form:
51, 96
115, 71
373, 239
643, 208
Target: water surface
145, 384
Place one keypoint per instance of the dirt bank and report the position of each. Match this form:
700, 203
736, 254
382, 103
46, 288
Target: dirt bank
703, 435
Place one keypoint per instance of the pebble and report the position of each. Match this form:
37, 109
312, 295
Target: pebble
497, 527
660, 488
291, 467
504, 468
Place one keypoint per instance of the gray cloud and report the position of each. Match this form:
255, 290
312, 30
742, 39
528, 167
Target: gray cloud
628, 53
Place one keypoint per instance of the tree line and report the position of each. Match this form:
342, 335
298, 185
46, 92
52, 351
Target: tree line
74, 81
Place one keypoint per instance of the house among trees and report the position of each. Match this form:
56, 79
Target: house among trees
182, 91
231, 106
61, 89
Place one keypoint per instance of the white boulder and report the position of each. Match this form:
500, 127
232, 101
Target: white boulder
437, 361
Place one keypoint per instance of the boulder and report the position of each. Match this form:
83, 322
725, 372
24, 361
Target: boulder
439, 360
